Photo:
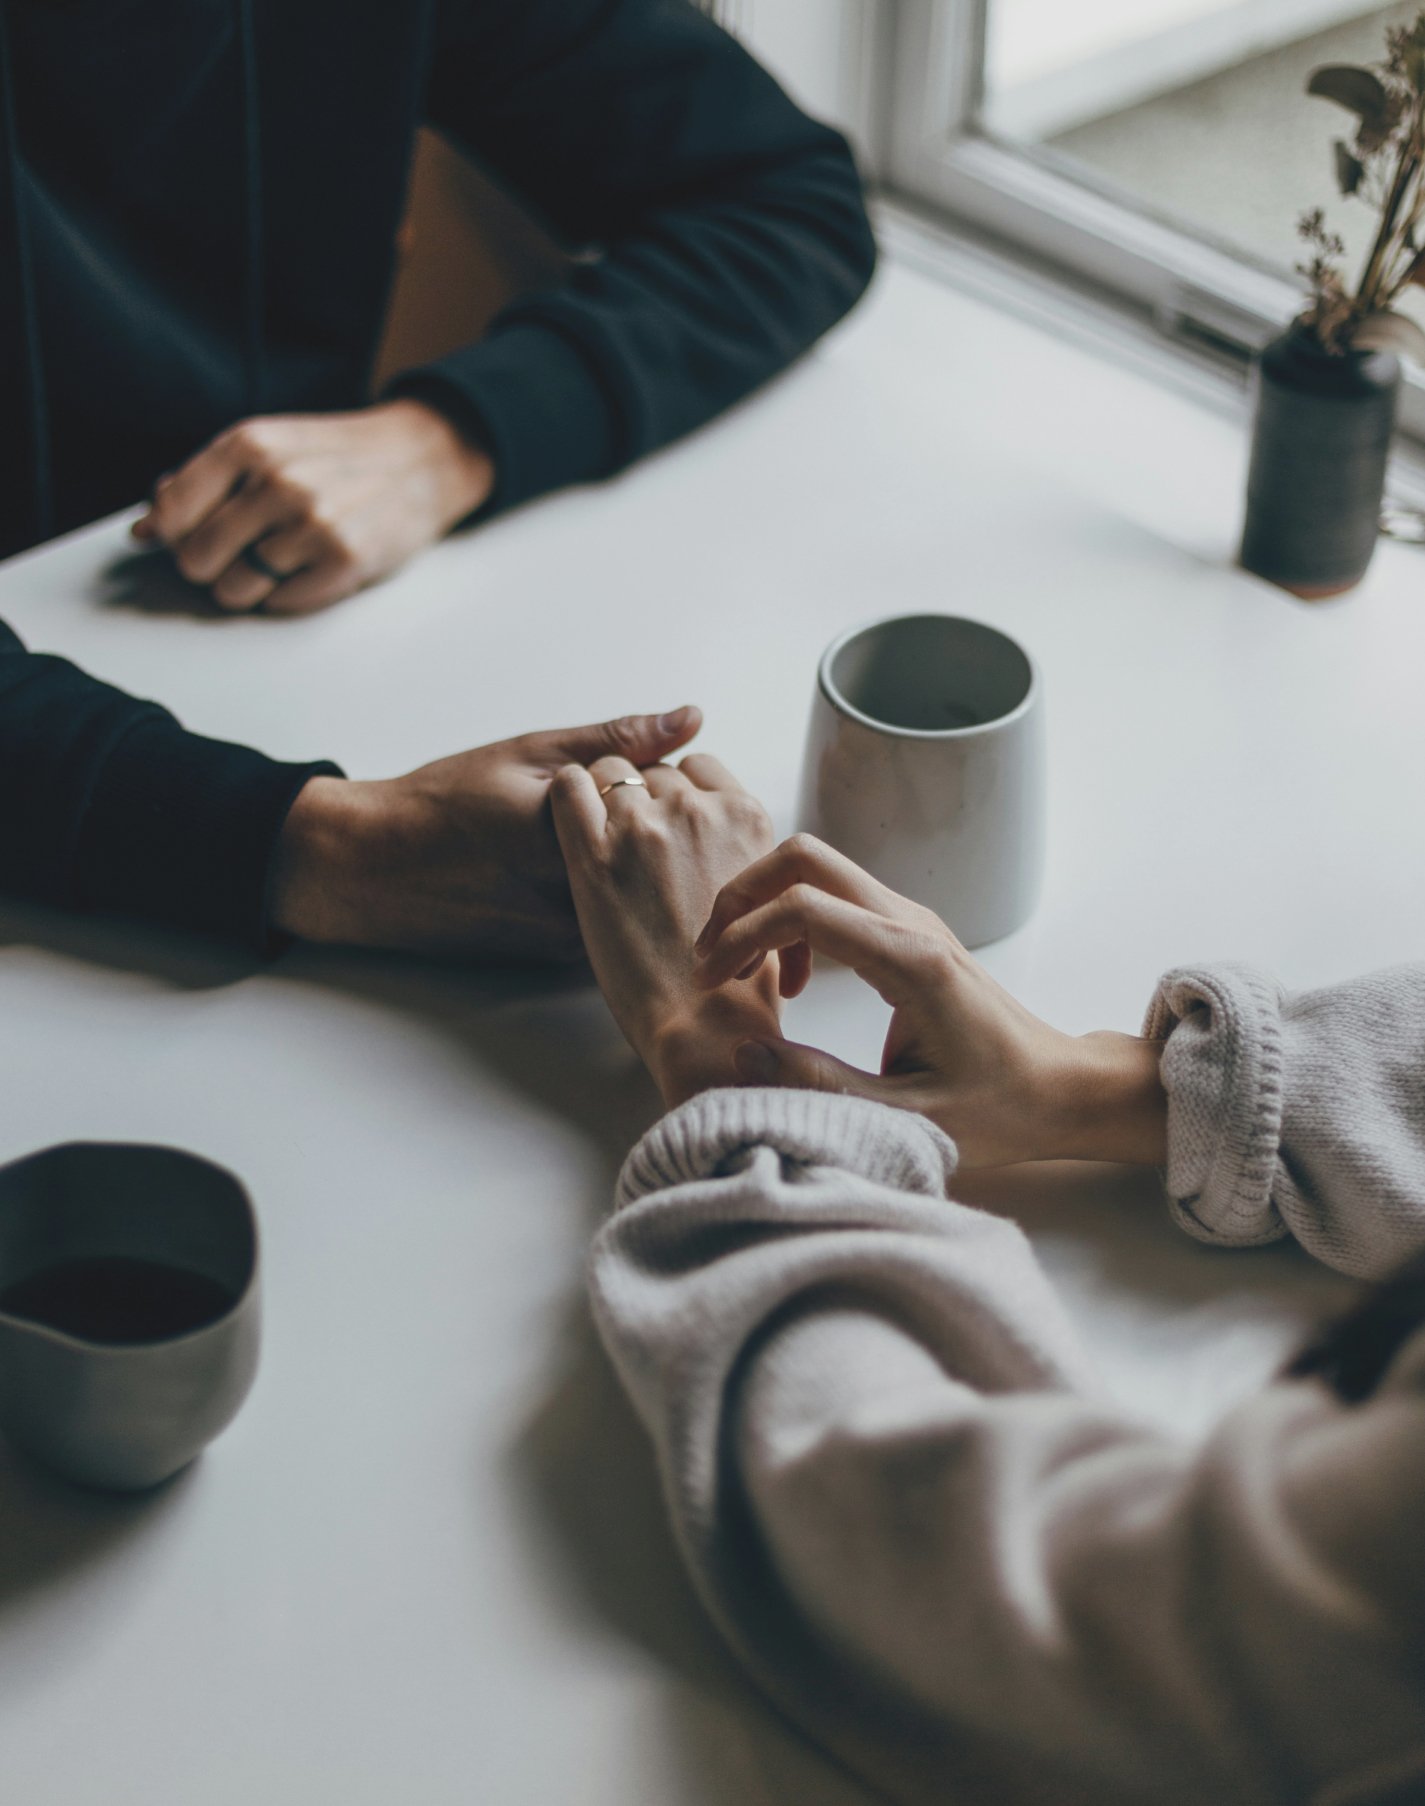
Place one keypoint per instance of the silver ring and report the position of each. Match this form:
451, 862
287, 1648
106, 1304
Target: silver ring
623, 784
254, 561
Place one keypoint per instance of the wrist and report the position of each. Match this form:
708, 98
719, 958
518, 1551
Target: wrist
464, 470
322, 884
692, 1050
1109, 1103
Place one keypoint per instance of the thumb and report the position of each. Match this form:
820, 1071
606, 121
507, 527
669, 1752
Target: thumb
641, 739
791, 1067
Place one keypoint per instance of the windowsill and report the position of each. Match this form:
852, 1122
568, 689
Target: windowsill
1125, 337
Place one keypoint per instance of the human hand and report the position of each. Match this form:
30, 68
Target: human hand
295, 512
459, 857
1004, 1085
644, 866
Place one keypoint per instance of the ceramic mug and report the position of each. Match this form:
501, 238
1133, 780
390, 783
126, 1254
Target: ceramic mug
129, 1309
926, 764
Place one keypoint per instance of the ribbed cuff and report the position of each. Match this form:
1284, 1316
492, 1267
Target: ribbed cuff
183, 831
811, 1128
532, 398
1222, 1070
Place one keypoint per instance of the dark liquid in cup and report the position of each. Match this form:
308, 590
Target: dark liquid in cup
114, 1299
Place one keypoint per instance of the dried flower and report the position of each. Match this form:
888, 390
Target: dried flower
1384, 166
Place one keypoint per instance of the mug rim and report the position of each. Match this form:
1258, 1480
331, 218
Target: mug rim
119, 1351
847, 708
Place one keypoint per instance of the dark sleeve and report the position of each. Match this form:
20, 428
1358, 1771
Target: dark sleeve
732, 229
107, 803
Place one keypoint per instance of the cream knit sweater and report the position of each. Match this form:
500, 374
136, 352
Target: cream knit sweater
968, 1575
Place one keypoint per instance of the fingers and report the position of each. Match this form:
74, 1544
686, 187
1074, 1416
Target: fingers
800, 860
331, 578
580, 817
289, 552
791, 1067
186, 497
707, 772
824, 924
207, 552
619, 783
639, 739
794, 973
664, 782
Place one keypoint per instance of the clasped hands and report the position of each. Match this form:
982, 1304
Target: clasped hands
583, 842
697, 927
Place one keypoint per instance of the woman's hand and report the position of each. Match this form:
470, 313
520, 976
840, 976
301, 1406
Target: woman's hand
645, 865
1004, 1085
293, 512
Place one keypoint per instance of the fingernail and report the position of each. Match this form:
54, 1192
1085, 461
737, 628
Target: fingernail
755, 1063
674, 723
702, 943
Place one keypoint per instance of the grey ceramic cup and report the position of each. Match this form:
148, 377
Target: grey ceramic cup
926, 765
125, 1414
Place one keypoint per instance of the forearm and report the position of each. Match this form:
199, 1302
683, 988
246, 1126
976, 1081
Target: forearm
925, 1538
108, 804
732, 229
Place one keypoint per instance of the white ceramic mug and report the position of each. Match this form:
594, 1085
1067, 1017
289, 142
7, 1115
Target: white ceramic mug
926, 765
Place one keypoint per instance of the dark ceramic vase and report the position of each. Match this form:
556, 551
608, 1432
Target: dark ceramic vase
1323, 429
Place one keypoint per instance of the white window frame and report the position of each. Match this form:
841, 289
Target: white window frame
935, 152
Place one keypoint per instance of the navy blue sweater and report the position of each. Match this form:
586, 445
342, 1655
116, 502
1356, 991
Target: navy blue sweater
199, 202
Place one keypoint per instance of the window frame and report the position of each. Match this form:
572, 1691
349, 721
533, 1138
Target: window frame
936, 153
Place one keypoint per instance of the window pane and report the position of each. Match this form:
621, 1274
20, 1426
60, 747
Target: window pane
1195, 108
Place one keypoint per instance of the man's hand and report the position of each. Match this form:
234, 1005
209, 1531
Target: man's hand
459, 857
293, 513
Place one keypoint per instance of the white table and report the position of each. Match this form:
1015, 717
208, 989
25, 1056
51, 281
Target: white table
427, 1562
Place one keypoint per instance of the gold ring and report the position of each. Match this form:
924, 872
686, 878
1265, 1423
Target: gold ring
624, 784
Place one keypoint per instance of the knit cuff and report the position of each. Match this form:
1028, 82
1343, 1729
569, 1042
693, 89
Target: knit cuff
812, 1128
1222, 1070
533, 399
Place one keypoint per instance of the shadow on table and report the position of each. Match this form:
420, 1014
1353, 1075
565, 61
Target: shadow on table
150, 583
582, 1465
56, 1537
182, 961
1118, 1215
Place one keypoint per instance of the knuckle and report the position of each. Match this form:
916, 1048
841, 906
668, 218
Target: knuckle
194, 564
344, 563
801, 847
925, 952
230, 588
249, 442
802, 901
565, 784
301, 498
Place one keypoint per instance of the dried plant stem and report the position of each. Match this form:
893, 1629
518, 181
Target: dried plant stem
1375, 295
1367, 299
